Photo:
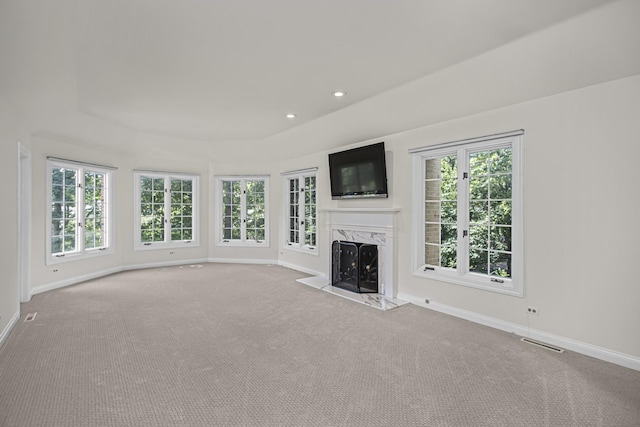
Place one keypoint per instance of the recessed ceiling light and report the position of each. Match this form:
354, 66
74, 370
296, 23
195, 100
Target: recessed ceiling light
339, 93
291, 116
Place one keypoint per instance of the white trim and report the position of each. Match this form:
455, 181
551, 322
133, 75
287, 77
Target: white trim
109, 197
622, 359
300, 172
303, 270
300, 246
83, 278
74, 280
80, 164
24, 222
459, 142
138, 245
244, 261
7, 330
461, 275
218, 209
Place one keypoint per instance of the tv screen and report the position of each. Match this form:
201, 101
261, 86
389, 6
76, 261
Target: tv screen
359, 172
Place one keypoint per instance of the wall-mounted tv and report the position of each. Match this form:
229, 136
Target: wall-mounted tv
359, 172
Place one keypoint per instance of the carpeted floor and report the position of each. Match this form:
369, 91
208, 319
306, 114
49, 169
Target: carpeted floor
240, 345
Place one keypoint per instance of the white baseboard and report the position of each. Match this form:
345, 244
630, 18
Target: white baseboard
74, 280
626, 360
96, 274
300, 269
244, 261
163, 264
7, 330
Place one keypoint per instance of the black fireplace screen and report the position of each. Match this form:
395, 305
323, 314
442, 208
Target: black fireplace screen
354, 266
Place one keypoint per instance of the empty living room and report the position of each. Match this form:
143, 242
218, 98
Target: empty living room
319, 213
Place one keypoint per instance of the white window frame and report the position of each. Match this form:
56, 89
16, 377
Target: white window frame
461, 276
243, 241
80, 252
301, 245
167, 243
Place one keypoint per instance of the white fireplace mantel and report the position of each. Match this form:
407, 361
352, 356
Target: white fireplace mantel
363, 225
366, 225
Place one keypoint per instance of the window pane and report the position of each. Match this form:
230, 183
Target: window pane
432, 211
500, 264
478, 212
151, 209
500, 161
500, 212
478, 261
448, 234
448, 256
63, 210
478, 188
500, 187
500, 238
432, 233
231, 195
479, 237
254, 209
146, 183
95, 214
449, 213
478, 164
432, 254
181, 208
310, 210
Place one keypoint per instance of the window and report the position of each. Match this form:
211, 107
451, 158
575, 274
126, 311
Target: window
166, 210
79, 217
301, 210
468, 210
243, 211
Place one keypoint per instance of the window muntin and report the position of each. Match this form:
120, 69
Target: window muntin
78, 218
243, 210
470, 213
166, 210
301, 210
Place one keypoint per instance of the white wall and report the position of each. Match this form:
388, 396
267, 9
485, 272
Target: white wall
9, 296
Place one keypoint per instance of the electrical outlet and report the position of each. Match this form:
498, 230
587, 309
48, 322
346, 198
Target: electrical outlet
170, 252
533, 310
55, 270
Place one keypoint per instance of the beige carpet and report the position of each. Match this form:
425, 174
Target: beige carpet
238, 345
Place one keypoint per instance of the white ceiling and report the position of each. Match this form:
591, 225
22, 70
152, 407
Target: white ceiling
230, 70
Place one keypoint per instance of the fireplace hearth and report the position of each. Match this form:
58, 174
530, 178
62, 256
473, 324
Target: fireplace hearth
354, 266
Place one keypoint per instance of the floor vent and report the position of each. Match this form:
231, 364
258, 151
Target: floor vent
30, 317
542, 345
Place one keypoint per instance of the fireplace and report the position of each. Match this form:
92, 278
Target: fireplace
366, 237
354, 266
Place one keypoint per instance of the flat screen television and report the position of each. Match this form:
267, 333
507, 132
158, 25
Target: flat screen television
359, 172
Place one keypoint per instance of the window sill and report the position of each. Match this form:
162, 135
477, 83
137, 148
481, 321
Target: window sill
302, 249
162, 245
484, 285
246, 244
69, 257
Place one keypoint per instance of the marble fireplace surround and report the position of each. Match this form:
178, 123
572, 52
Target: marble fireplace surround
363, 225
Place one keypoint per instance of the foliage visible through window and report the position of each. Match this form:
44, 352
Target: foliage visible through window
167, 209
302, 210
243, 209
468, 210
78, 209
